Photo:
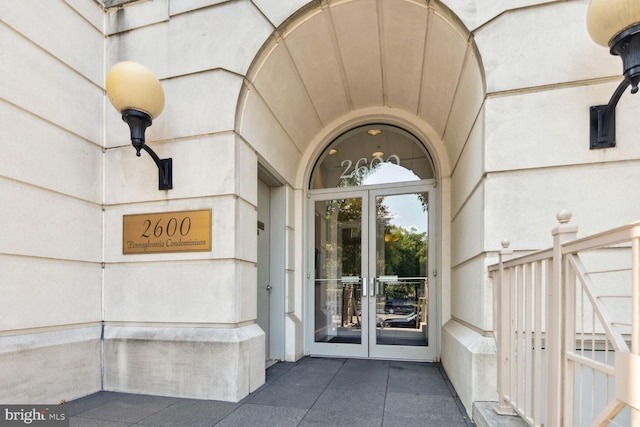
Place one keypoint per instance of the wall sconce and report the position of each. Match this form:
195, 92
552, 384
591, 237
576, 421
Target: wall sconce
614, 24
137, 94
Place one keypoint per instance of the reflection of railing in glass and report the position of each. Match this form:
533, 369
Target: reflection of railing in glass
402, 311
338, 310
350, 312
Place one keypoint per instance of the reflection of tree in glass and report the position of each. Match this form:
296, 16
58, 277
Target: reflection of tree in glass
423, 197
354, 180
405, 252
400, 291
344, 221
350, 220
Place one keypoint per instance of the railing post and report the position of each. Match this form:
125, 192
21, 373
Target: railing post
555, 333
503, 330
635, 320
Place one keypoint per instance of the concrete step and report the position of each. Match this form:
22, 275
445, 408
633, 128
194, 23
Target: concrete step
484, 416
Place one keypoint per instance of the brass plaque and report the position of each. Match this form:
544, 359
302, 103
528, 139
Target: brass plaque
186, 231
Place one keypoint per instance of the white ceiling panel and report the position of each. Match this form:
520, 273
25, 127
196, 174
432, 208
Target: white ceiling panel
346, 55
281, 87
444, 60
403, 41
313, 51
266, 135
466, 106
356, 28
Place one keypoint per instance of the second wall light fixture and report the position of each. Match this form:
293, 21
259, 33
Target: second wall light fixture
137, 94
614, 24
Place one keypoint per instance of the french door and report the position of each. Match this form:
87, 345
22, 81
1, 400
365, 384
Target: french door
370, 293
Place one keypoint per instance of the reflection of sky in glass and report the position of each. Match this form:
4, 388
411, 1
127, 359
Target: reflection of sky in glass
405, 209
389, 172
406, 212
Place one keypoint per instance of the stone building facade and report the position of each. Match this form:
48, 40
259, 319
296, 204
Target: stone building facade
497, 93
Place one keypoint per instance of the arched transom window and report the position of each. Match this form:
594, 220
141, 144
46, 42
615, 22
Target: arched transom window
369, 155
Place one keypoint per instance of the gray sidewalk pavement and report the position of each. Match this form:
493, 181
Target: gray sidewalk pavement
310, 392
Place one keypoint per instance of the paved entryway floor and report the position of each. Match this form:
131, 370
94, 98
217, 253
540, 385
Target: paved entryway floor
312, 391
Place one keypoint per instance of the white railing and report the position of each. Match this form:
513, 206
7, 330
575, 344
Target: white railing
567, 326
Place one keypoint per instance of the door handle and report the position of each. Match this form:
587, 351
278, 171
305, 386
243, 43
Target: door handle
368, 285
269, 287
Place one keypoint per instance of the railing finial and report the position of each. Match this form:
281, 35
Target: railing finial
564, 216
505, 243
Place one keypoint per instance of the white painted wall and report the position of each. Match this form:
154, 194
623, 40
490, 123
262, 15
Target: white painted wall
51, 180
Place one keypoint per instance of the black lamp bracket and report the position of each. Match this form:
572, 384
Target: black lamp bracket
603, 120
138, 122
603, 117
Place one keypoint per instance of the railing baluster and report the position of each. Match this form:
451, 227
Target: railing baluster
528, 325
513, 339
635, 315
569, 315
537, 360
520, 344
504, 332
592, 356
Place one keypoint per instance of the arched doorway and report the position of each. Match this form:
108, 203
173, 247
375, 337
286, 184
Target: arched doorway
371, 235
336, 65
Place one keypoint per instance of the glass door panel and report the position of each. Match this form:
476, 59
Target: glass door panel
338, 316
368, 293
401, 256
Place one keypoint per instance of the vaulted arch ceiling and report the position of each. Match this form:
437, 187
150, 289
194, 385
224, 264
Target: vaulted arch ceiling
336, 58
